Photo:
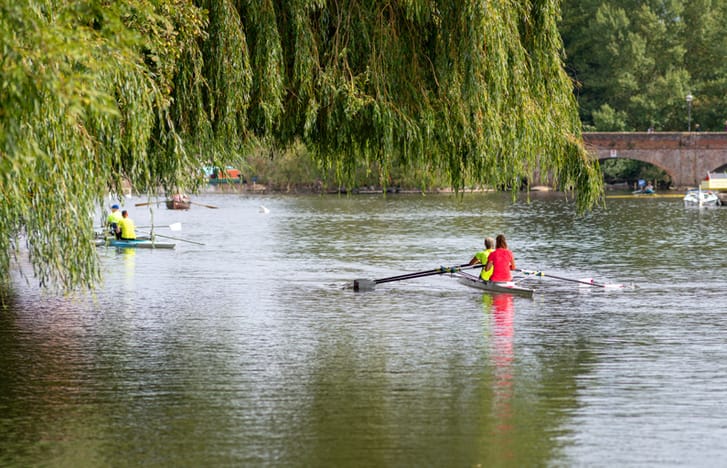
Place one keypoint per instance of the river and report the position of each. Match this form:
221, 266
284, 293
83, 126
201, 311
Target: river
253, 349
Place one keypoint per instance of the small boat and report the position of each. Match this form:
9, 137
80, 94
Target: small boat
493, 287
102, 237
179, 202
701, 198
134, 244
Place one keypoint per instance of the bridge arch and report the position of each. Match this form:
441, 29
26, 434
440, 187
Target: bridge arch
685, 156
665, 169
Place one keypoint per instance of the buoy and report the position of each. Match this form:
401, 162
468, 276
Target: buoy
264, 210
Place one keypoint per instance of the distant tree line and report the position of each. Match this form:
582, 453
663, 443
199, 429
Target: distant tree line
634, 62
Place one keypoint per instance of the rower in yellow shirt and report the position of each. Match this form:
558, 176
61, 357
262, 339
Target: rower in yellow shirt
126, 227
481, 257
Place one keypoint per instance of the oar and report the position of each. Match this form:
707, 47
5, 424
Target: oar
176, 238
368, 284
149, 203
202, 204
173, 227
586, 282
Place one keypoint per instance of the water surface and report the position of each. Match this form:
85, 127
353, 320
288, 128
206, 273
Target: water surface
252, 349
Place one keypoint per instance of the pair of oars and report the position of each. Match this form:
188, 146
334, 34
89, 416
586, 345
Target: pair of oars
172, 227
587, 282
369, 284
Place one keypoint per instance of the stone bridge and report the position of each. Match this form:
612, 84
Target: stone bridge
685, 156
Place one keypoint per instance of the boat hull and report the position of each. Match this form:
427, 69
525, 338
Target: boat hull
493, 287
134, 244
701, 198
178, 204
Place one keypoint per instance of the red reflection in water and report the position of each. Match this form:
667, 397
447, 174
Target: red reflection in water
503, 332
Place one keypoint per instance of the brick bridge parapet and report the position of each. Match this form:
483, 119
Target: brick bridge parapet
685, 156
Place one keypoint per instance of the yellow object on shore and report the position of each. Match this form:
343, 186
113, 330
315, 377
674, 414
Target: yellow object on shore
715, 181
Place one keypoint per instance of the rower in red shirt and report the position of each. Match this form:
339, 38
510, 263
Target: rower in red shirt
501, 261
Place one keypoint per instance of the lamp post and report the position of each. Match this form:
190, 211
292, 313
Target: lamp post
689, 112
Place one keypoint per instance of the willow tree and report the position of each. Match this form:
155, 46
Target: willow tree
93, 92
85, 95
473, 88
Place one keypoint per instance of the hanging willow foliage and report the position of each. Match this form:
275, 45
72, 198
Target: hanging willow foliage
96, 92
472, 88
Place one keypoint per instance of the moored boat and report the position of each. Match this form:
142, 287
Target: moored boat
493, 287
134, 244
701, 198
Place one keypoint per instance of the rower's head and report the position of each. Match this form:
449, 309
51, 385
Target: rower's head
489, 243
125, 214
114, 207
501, 242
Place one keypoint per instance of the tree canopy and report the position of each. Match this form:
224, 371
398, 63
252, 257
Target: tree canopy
635, 62
95, 92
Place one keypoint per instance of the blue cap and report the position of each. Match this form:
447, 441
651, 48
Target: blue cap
114, 207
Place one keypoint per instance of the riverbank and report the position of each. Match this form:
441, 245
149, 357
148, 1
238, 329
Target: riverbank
320, 189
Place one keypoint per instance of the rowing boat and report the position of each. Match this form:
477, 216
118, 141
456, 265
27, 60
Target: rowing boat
179, 202
493, 287
134, 244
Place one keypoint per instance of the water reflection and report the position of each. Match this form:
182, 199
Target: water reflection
500, 308
129, 256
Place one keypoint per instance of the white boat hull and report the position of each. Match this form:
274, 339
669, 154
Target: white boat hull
493, 287
701, 198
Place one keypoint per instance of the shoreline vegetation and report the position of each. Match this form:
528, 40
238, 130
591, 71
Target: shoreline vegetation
232, 187
295, 171
372, 190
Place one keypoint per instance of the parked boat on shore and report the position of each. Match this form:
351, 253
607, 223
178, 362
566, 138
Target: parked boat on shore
228, 175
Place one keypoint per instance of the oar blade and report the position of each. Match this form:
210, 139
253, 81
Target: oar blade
363, 285
175, 226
